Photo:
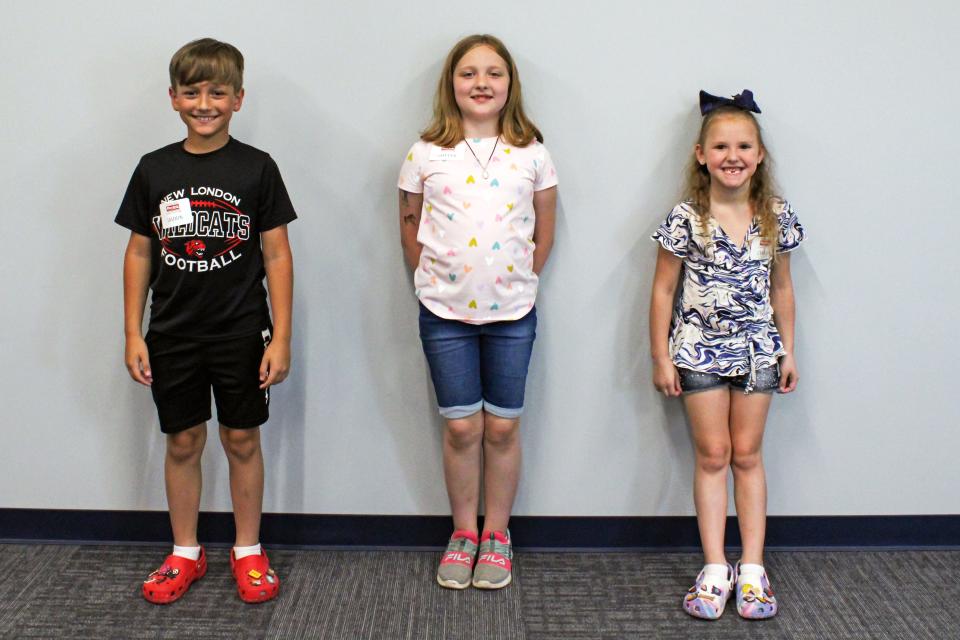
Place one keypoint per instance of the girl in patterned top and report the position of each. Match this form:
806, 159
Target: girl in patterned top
477, 208
727, 342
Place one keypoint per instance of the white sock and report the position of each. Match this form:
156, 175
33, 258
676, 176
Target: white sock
754, 571
715, 572
243, 552
190, 553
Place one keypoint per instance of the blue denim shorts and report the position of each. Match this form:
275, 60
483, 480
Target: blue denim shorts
478, 366
768, 380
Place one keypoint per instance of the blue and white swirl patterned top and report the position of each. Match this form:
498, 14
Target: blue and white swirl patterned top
723, 320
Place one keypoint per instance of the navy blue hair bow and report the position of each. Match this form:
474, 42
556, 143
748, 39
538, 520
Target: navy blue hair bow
742, 101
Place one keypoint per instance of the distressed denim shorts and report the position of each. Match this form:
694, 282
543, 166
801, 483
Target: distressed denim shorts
478, 366
767, 380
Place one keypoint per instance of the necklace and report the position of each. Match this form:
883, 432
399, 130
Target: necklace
486, 174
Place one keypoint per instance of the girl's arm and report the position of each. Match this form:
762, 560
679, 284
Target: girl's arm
278, 263
665, 376
136, 282
784, 314
411, 206
545, 215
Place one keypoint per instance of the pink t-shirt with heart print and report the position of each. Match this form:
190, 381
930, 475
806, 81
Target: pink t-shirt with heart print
476, 226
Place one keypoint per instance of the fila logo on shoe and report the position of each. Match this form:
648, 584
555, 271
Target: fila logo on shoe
493, 558
456, 556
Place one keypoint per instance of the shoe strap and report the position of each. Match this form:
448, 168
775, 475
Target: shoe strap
495, 549
460, 550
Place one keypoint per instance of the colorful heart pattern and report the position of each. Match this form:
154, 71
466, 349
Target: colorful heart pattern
494, 211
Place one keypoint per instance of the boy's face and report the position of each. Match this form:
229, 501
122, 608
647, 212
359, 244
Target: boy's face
206, 108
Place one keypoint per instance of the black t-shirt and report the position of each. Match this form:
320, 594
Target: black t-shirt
207, 276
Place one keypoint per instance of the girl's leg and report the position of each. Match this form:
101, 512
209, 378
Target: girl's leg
462, 449
501, 469
708, 412
505, 350
245, 457
181, 468
748, 415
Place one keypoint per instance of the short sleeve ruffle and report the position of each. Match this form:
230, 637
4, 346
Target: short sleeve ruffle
791, 231
674, 233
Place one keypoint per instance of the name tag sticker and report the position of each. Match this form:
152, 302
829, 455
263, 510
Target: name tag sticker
176, 213
445, 153
760, 249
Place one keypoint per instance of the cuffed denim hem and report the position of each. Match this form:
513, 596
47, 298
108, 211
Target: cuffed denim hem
500, 412
455, 413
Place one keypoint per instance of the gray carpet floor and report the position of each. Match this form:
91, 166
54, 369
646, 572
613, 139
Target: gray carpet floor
55, 591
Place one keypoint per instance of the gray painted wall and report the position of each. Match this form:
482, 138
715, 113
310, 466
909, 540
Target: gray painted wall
859, 107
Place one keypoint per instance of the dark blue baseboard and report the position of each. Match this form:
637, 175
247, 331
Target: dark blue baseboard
307, 530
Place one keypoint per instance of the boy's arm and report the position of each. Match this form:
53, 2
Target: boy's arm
545, 214
784, 314
665, 376
136, 282
411, 206
278, 263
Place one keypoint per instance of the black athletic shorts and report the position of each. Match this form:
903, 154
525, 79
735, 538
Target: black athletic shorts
185, 370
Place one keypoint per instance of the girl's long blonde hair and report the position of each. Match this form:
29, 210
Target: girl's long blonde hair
764, 198
446, 126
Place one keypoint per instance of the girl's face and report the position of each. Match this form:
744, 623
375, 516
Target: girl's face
731, 151
481, 84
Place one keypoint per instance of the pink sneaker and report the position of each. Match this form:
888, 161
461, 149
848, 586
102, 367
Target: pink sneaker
456, 565
495, 561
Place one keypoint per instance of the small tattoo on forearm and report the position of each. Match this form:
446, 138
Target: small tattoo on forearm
411, 219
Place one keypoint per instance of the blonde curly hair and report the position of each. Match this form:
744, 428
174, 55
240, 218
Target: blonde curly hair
764, 199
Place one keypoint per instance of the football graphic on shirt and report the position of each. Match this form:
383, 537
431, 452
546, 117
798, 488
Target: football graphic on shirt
215, 237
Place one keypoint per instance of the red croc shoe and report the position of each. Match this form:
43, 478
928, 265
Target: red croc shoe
168, 583
256, 581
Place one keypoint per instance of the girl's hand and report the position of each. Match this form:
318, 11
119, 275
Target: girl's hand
275, 364
666, 378
789, 376
137, 359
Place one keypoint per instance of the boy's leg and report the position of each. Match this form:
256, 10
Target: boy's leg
501, 469
462, 448
708, 412
183, 481
245, 458
748, 416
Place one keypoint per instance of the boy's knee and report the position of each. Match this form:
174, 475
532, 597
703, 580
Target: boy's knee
240, 444
186, 445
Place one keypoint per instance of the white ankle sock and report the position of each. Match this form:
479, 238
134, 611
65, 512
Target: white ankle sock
752, 570
190, 553
715, 570
243, 552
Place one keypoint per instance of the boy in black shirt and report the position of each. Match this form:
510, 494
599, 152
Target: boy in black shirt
208, 220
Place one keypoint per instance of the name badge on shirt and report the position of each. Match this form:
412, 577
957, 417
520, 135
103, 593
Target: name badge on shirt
445, 153
760, 249
176, 213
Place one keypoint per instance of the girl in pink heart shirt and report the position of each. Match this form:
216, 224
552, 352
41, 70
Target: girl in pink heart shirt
477, 212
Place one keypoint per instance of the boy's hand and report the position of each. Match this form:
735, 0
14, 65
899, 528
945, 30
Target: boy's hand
137, 358
275, 364
666, 378
789, 377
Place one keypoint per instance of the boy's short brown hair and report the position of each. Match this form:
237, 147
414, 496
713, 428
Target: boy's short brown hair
207, 60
